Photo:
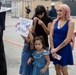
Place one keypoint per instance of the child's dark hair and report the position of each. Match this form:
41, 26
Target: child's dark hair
42, 41
29, 44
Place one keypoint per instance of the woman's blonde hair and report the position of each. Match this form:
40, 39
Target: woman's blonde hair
66, 10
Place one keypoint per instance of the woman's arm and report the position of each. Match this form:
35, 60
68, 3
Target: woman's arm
51, 34
51, 37
34, 26
34, 23
46, 29
68, 37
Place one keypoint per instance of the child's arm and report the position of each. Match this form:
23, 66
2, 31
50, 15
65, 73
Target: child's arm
23, 37
30, 60
29, 38
47, 64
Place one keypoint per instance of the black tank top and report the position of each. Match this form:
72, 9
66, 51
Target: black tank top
40, 31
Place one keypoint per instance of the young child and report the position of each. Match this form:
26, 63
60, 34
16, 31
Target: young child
40, 57
26, 69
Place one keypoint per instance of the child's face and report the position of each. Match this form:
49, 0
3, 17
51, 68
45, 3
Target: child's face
38, 45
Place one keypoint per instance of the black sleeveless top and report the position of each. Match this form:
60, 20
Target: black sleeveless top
40, 31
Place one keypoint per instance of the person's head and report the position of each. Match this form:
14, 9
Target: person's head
63, 10
47, 8
40, 11
52, 5
39, 43
27, 7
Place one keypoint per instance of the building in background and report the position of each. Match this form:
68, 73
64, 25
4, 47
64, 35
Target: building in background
6, 3
15, 6
72, 5
18, 6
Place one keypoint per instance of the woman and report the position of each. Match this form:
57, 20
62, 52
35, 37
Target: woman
42, 23
60, 37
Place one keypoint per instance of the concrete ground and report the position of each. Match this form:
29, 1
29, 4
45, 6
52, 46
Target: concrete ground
13, 46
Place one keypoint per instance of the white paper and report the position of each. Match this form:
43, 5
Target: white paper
58, 57
23, 26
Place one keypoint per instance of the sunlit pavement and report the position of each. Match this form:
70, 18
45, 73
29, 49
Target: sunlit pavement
13, 46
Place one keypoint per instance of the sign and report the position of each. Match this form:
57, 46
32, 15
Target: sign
23, 26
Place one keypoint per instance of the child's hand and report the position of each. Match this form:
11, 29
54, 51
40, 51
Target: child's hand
43, 70
29, 61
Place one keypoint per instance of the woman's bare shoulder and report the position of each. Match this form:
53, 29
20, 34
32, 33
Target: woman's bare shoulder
71, 22
54, 21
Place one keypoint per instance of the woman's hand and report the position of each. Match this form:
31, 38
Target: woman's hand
54, 50
39, 21
54, 55
35, 19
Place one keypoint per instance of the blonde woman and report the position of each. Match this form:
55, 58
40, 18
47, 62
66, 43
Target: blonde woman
60, 37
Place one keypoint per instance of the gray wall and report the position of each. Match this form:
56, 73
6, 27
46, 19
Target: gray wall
72, 5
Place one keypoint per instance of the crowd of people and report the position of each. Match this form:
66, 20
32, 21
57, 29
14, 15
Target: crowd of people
36, 54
